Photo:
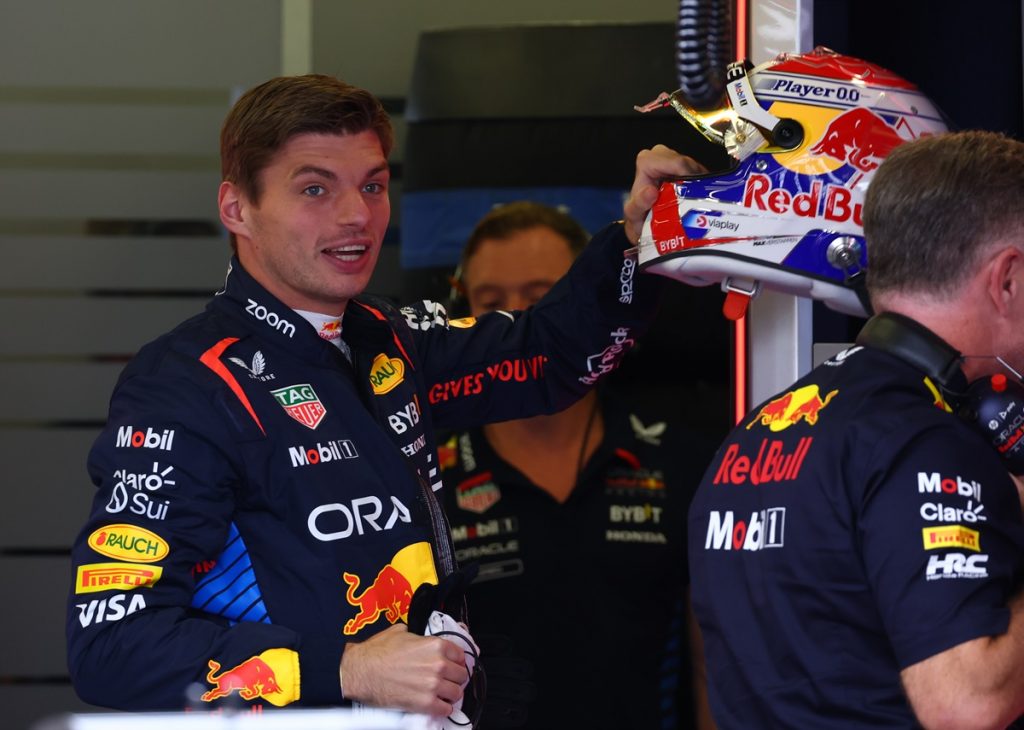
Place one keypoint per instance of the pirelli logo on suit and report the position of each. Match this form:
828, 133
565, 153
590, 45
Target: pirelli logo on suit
94, 577
951, 536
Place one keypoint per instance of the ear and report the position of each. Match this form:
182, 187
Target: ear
1005, 281
233, 206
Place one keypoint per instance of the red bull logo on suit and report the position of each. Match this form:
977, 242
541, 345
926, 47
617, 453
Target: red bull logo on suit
775, 460
790, 408
272, 676
391, 590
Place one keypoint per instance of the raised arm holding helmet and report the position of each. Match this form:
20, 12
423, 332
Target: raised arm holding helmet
265, 509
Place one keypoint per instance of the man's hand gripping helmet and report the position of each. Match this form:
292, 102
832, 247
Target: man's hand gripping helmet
807, 132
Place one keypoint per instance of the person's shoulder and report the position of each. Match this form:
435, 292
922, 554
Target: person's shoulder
192, 375
613, 234
367, 302
372, 309
891, 410
185, 350
876, 388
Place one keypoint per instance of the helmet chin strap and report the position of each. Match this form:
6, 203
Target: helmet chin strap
738, 293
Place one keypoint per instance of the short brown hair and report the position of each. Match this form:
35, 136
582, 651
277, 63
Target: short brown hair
935, 203
267, 116
505, 220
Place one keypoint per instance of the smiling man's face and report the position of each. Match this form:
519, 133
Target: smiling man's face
313, 238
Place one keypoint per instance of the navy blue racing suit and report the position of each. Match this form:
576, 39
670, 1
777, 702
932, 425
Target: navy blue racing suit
847, 529
261, 500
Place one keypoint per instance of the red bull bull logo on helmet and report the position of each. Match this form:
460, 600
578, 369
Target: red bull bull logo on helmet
802, 404
859, 137
773, 215
391, 590
272, 676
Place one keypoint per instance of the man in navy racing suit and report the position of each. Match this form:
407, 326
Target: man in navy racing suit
855, 547
265, 507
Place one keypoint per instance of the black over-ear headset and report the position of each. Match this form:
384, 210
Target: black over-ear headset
993, 404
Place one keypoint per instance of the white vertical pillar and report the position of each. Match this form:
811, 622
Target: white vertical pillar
779, 325
780, 26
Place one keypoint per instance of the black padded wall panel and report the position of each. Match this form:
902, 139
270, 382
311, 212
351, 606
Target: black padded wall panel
543, 112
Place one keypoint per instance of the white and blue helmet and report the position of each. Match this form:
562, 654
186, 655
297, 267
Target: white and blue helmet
807, 132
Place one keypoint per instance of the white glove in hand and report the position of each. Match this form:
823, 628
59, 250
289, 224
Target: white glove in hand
444, 626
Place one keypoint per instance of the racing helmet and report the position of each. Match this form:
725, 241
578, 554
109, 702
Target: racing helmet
807, 132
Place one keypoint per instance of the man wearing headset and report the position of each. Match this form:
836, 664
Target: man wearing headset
855, 547
576, 519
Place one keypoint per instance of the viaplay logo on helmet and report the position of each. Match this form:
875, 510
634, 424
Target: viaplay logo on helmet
698, 223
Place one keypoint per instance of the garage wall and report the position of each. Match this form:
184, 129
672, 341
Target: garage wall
109, 113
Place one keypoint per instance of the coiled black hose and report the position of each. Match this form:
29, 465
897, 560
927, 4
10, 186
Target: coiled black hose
703, 49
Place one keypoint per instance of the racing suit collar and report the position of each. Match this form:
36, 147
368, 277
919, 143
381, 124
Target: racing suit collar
262, 313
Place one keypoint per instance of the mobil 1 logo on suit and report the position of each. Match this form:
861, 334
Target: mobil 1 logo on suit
137, 438
762, 530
